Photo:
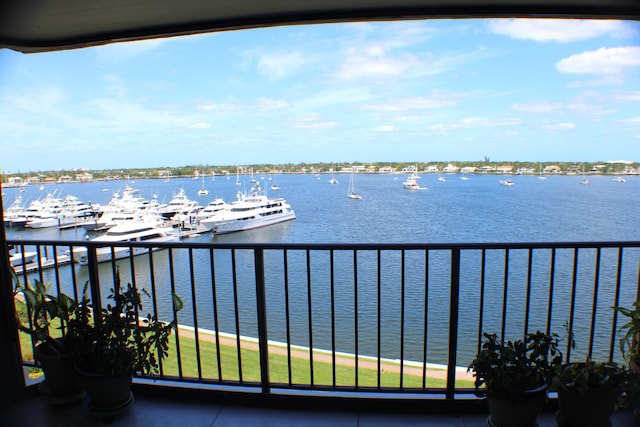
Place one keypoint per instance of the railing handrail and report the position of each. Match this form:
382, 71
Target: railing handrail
338, 246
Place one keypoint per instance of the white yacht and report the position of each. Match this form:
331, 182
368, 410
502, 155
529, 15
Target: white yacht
506, 182
250, 211
212, 208
72, 211
411, 182
22, 258
133, 231
180, 205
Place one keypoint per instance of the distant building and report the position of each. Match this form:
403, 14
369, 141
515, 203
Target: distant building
431, 169
64, 179
525, 171
552, 170
468, 169
450, 168
84, 177
504, 169
410, 169
387, 169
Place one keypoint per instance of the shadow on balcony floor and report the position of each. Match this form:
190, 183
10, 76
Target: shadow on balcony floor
150, 411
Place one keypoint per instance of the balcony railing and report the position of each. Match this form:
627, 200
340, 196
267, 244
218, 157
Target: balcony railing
356, 318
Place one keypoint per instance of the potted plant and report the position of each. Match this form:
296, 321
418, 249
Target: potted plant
36, 309
114, 344
588, 392
514, 376
630, 347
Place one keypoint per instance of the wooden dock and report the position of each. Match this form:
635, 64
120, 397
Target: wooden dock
43, 263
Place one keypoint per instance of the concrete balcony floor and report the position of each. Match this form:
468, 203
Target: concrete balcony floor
148, 411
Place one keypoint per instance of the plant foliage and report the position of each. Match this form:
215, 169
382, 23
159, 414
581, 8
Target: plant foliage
502, 368
119, 340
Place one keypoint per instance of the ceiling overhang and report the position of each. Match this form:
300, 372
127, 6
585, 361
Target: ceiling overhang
46, 25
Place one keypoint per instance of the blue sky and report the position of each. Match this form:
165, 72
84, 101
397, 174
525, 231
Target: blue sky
531, 90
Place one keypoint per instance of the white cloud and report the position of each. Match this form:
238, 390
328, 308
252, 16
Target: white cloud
589, 110
437, 99
199, 125
558, 126
207, 106
265, 104
602, 61
475, 122
622, 96
538, 107
385, 128
314, 122
558, 30
607, 80
632, 122
275, 66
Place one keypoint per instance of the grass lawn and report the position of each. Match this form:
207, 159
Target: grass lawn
345, 373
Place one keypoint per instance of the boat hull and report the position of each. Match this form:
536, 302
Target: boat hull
233, 225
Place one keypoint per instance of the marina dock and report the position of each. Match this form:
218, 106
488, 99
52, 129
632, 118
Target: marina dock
43, 263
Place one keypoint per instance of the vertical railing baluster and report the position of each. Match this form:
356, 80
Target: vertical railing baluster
379, 319
616, 302
355, 312
154, 301
310, 317
333, 317
261, 307
175, 314
596, 284
216, 326
94, 281
425, 333
552, 272
402, 297
505, 293
74, 278
454, 302
236, 311
481, 303
287, 313
527, 301
194, 303
572, 304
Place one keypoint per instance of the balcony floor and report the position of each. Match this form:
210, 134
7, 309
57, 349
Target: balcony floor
153, 411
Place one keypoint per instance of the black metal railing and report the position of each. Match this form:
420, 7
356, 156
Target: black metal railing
393, 318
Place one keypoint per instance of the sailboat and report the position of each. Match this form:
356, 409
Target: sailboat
540, 176
585, 180
351, 192
203, 191
332, 180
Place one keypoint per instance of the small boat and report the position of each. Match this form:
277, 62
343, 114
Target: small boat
619, 179
442, 179
22, 258
506, 182
203, 191
275, 187
411, 183
351, 192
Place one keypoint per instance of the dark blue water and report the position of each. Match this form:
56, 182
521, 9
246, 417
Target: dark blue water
475, 210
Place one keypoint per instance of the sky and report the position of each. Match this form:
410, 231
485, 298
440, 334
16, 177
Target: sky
408, 91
